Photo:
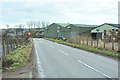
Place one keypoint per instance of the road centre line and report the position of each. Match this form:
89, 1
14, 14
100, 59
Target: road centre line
63, 52
93, 69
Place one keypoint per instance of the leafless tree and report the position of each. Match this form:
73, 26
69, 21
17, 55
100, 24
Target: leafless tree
30, 24
44, 24
34, 23
21, 28
16, 30
8, 26
38, 24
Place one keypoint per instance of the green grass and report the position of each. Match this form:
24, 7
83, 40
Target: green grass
20, 56
0, 70
88, 48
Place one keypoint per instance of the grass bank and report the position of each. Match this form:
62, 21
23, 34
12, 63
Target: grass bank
88, 48
0, 70
19, 57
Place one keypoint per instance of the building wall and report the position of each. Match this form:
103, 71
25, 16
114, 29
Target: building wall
77, 31
51, 32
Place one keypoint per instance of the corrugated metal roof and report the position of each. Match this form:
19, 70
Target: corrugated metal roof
63, 24
115, 25
106, 26
84, 25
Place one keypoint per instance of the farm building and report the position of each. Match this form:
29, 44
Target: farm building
103, 30
55, 30
74, 30
40, 32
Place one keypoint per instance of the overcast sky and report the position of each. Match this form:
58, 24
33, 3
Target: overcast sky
61, 11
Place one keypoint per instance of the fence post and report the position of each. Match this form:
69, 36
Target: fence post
83, 40
87, 41
3, 48
112, 45
91, 42
97, 43
7, 47
16, 44
11, 45
119, 40
104, 44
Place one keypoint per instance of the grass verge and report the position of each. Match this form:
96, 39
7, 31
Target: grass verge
88, 48
0, 70
19, 57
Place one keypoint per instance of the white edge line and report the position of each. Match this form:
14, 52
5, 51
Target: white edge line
94, 69
39, 66
63, 52
30, 74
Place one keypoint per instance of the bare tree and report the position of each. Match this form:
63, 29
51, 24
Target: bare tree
38, 24
16, 30
30, 24
44, 24
34, 24
47, 24
8, 26
21, 28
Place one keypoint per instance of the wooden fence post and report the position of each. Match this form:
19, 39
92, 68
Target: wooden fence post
119, 40
104, 45
91, 42
11, 45
3, 48
7, 47
83, 41
112, 45
87, 41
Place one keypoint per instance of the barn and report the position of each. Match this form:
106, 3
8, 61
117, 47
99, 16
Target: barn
74, 30
55, 30
101, 30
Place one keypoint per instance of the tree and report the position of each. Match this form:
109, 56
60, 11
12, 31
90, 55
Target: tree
16, 30
38, 24
30, 24
44, 24
8, 26
21, 28
34, 24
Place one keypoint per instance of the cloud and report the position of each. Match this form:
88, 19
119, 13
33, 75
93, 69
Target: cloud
72, 11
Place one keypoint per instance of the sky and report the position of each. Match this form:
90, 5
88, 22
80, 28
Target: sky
94, 12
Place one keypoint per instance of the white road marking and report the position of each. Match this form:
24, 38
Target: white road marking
51, 46
39, 66
30, 74
63, 52
93, 69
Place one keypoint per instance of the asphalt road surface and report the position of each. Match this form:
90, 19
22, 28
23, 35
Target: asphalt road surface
59, 61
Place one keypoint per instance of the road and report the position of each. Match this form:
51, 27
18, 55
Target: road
60, 61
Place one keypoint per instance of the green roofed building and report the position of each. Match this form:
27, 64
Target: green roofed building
55, 30
100, 30
74, 30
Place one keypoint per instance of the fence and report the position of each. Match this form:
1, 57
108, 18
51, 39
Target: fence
11, 45
88, 41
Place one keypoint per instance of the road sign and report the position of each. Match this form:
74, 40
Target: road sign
29, 33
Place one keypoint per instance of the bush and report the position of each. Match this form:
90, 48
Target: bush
19, 57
